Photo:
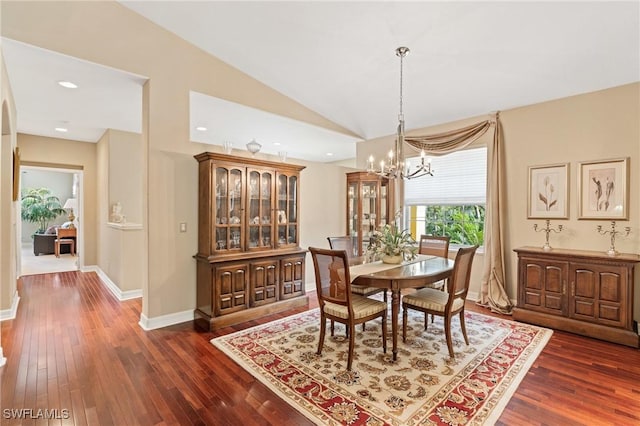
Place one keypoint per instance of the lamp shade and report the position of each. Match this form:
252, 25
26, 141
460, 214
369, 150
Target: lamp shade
71, 203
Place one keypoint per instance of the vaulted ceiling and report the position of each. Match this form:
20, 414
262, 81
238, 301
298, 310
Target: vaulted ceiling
337, 58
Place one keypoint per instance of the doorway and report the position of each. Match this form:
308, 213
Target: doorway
37, 257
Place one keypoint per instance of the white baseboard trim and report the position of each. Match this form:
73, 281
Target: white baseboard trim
3, 360
113, 288
9, 314
165, 320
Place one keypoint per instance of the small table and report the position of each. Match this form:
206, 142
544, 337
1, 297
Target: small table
421, 272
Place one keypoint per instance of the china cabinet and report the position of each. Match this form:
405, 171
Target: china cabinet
249, 262
580, 291
368, 199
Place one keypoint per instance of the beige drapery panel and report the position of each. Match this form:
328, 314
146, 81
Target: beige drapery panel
492, 292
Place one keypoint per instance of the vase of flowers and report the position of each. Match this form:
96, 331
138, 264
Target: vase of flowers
392, 245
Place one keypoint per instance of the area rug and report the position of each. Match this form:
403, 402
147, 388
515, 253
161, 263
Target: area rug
423, 387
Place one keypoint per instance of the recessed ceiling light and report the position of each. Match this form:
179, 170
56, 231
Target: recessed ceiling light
329, 154
68, 84
276, 143
201, 129
61, 129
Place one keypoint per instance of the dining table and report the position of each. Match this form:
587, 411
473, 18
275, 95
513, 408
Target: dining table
422, 271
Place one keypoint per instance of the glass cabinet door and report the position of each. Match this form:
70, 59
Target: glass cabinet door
228, 209
353, 200
384, 203
369, 214
287, 210
260, 209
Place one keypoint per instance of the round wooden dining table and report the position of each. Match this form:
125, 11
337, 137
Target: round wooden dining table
420, 272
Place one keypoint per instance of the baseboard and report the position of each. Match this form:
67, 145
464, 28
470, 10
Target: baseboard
165, 320
9, 314
113, 288
3, 360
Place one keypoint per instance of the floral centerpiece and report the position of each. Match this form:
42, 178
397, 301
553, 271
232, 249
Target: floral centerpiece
392, 245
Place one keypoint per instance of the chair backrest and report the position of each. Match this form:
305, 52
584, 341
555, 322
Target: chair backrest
333, 282
434, 245
65, 233
341, 243
458, 284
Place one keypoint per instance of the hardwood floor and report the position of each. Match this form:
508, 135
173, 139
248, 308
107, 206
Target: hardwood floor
75, 349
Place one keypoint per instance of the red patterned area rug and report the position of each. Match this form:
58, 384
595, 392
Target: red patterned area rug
423, 387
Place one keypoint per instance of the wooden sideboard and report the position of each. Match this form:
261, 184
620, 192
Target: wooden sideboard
583, 292
249, 262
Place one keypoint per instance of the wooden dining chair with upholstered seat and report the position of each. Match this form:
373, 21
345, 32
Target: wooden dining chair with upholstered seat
338, 303
65, 236
444, 303
345, 243
434, 245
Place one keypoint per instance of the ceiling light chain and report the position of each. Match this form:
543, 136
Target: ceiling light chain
397, 167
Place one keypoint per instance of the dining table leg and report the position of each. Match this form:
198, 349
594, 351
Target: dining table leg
395, 310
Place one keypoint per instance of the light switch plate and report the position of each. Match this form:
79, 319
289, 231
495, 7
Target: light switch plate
183, 227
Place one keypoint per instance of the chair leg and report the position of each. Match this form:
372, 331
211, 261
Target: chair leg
404, 324
426, 320
332, 324
363, 326
447, 332
384, 332
352, 338
463, 327
323, 328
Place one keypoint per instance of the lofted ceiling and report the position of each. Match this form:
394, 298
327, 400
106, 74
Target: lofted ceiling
337, 58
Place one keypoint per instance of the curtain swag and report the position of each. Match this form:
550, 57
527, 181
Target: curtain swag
492, 293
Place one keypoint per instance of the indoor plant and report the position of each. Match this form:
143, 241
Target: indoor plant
40, 206
391, 244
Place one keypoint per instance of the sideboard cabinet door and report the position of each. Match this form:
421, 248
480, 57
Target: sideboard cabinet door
264, 282
599, 294
543, 285
292, 276
231, 288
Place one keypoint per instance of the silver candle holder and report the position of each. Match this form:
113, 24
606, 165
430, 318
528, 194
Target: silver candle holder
547, 230
612, 250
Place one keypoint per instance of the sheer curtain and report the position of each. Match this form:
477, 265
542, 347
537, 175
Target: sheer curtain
492, 292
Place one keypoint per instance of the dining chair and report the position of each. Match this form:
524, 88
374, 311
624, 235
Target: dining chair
337, 302
346, 243
444, 303
434, 245
64, 237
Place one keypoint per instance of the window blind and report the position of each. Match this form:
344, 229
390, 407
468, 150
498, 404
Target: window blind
459, 178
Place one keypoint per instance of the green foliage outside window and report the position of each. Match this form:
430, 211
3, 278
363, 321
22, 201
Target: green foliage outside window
464, 224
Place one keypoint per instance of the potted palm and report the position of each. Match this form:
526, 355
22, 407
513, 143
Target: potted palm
392, 244
41, 207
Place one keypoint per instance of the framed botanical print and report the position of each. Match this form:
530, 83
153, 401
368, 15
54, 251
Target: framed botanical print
603, 189
548, 192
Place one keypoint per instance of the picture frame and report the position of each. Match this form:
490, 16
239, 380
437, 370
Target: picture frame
548, 193
603, 189
16, 174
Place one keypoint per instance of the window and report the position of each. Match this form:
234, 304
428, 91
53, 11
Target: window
452, 202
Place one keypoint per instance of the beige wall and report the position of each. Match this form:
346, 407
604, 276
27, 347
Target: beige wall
8, 208
70, 154
121, 249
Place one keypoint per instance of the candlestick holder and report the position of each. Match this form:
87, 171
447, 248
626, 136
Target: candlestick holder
612, 250
547, 230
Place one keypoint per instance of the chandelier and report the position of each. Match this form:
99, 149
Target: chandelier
396, 167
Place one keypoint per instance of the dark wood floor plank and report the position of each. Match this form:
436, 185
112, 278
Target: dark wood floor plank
74, 346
